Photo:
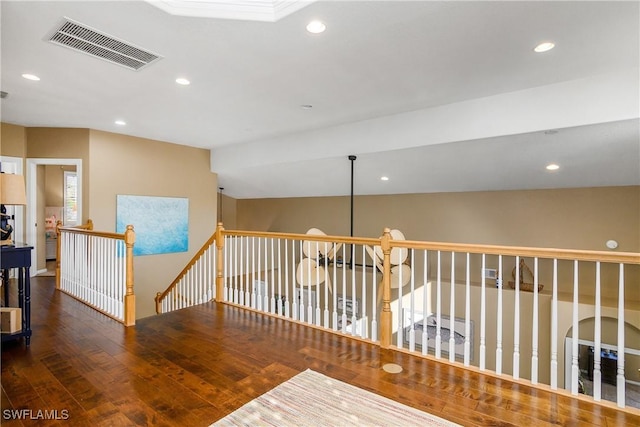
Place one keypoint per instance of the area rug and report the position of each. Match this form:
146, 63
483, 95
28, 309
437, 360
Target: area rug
313, 399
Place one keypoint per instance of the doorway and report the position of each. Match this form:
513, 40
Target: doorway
36, 219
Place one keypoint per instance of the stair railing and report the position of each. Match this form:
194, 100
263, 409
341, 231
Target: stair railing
195, 284
512, 311
96, 268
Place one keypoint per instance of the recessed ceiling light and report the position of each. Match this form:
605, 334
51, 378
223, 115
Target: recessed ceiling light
316, 27
31, 77
120, 122
182, 81
384, 178
544, 47
553, 167
306, 106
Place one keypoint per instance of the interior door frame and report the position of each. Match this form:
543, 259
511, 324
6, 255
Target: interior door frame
32, 192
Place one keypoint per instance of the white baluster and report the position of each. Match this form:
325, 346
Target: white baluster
412, 309
236, 270
575, 371
597, 338
319, 293
105, 291
286, 277
326, 288
225, 269
620, 384
279, 308
245, 290
363, 315
273, 279
214, 271
554, 328
516, 324
452, 311
335, 293
344, 289
257, 284
425, 305
250, 291
354, 319
374, 301
438, 307
534, 344
265, 292
467, 315
399, 334
483, 317
301, 296
309, 304
294, 305
499, 320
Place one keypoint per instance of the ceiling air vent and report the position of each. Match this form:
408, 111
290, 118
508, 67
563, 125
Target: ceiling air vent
84, 39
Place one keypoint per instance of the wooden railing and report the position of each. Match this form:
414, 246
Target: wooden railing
464, 304
195, 284
530, 320
97, 269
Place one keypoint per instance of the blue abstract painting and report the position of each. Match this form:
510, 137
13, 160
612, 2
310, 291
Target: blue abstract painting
161, 223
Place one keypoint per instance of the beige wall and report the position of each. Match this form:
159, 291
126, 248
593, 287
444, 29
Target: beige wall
63, 143
582, 218
13, 143
53, 185
229, 213
13, 140
135, 166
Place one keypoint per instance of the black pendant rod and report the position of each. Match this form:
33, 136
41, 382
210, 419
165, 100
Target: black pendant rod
353, 159
220, 203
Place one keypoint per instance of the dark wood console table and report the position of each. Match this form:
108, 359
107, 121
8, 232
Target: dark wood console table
18, 256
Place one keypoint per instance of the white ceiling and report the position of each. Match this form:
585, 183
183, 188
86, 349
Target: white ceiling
437, 95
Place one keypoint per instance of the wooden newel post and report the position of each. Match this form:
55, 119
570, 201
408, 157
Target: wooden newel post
158, 304
385, 316
129, 298
58, 235
219, 263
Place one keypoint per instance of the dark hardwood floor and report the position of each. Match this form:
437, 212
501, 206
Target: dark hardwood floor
193, 366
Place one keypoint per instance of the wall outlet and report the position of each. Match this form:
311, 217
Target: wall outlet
490, 273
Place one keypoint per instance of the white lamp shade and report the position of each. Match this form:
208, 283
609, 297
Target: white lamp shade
12, 190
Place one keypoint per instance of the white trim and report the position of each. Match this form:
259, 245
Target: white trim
245, 10
31, 175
